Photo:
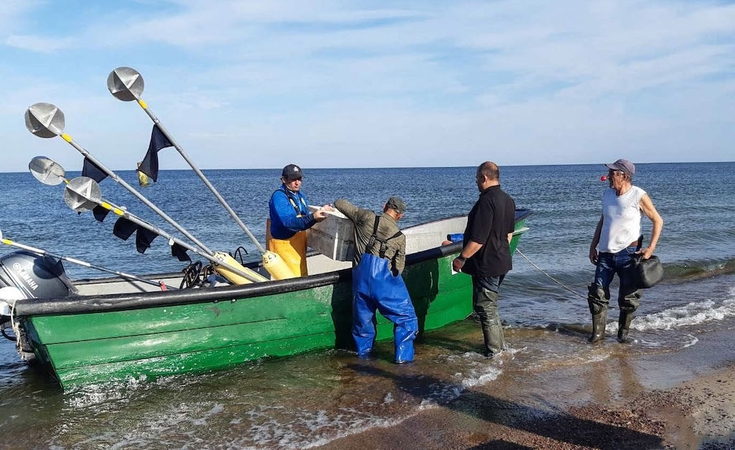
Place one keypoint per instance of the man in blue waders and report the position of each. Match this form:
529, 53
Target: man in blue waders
380, 257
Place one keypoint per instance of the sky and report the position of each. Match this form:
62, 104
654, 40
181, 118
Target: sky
260, 84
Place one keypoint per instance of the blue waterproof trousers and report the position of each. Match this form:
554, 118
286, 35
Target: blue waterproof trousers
375, 288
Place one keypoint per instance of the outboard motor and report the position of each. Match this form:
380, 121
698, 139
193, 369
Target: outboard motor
35, 276
26, 275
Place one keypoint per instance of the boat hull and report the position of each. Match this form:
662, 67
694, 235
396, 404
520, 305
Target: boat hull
156, 334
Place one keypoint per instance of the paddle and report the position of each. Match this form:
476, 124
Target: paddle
46, 120
51, 173
41, 252
127, 84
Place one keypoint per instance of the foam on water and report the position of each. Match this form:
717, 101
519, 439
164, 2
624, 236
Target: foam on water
482, 370
682, 316
307, 429
693, 341
290, 428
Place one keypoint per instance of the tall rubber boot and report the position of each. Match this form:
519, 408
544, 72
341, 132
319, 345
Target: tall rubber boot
492, 327
494, 340
624, 326
597, 301
628, 305
598, 326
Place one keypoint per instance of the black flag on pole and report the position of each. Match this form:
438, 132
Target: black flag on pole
180, 252
93, 171
149, 165
143, 239
124, 228
100, 213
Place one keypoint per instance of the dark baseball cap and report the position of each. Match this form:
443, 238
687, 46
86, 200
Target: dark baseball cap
397, 204
292, 172
623, 165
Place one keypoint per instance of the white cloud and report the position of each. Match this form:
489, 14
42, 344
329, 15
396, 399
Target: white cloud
39, 44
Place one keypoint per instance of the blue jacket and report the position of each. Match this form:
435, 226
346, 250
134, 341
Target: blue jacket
289, 213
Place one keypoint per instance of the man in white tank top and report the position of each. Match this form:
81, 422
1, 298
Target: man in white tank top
617, 238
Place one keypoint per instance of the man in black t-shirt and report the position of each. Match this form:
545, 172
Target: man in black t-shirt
486, 252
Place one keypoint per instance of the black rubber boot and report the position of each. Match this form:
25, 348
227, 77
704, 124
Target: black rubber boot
624, 326
494, 340
597, 302
492, 328
598, 327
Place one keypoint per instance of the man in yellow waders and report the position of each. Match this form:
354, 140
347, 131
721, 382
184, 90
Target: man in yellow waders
289, 220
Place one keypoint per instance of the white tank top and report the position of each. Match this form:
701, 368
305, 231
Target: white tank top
621, 224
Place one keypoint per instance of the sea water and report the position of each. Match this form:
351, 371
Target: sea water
312, 399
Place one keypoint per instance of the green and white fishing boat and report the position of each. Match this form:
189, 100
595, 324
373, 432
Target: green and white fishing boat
122, 329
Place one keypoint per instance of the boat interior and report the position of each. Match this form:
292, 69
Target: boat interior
418, 238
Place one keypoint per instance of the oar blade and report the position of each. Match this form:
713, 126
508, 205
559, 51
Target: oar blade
125, 83
47, 171
82, 194
45, 120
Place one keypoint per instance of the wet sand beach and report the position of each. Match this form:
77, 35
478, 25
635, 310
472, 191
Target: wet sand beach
679, 400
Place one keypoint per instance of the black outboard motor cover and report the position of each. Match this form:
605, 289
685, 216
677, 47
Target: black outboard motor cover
35, 276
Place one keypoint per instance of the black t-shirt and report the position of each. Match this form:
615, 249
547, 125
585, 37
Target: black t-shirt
488, 223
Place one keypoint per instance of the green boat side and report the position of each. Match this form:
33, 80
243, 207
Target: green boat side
115, 338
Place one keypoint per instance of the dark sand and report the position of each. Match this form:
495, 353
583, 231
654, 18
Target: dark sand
681, 400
